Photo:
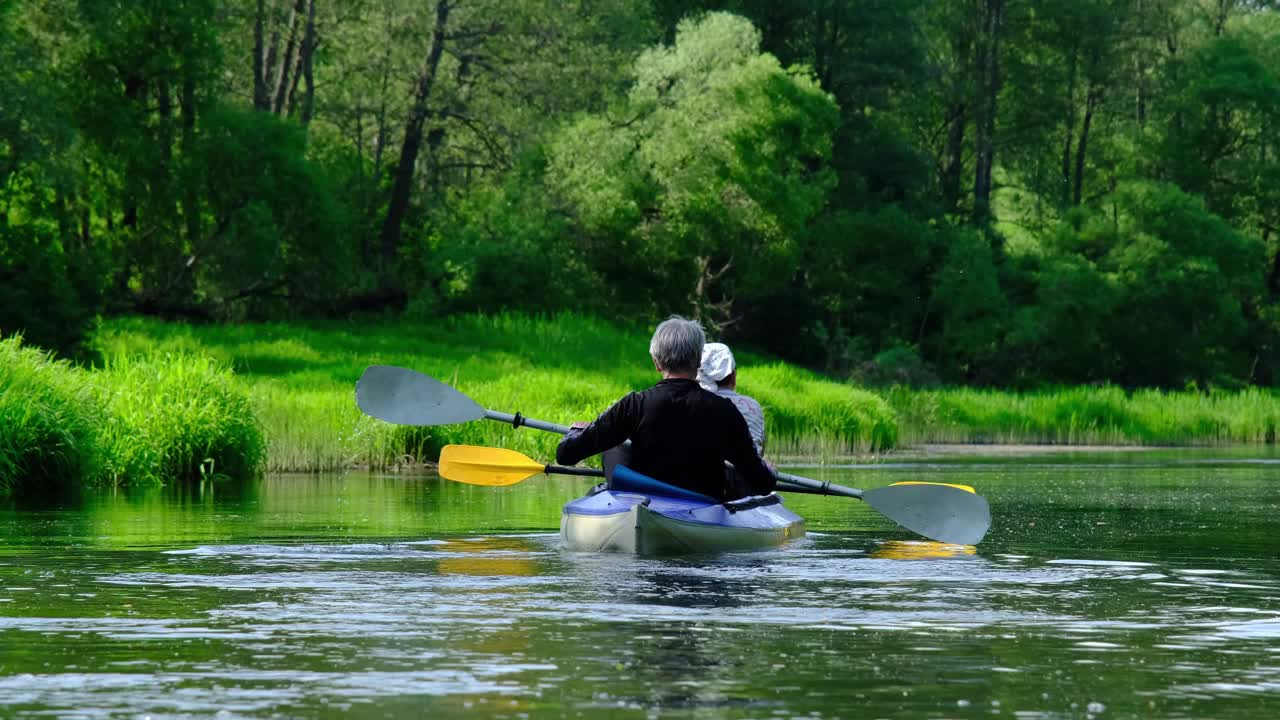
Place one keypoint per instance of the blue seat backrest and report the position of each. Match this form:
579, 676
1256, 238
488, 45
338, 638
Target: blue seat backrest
627, 480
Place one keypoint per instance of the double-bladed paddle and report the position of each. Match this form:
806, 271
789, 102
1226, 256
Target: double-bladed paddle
947, 513
499, 467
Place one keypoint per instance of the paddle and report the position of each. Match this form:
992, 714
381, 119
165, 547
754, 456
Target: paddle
497, 467
947, 513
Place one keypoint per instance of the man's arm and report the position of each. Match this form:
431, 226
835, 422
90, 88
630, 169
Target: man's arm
612, 428
741, 451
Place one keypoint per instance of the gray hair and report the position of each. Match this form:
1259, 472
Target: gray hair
677, 344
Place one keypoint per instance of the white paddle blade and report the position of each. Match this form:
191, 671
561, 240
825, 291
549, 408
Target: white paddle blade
407, 397
939, 512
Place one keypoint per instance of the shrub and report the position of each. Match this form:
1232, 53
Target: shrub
175, 417
47, 416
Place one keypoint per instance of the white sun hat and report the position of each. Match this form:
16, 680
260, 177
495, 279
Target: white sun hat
717, 363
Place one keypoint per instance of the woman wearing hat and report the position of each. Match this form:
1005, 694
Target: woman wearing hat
719, 374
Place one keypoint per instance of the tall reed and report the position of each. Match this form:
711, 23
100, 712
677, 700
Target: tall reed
1087, 415
169, 418
301, 379
175, 418
48, 435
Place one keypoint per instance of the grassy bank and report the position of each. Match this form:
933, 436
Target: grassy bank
138, 421
1086, 416
301, 379
175, 402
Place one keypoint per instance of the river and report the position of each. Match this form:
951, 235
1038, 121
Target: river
1122, 584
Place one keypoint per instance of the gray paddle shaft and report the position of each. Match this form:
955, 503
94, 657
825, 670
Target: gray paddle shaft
519, 421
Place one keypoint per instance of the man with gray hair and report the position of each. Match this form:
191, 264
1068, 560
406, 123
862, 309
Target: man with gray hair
680, 433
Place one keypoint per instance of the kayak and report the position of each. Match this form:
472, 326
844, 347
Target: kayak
634, 513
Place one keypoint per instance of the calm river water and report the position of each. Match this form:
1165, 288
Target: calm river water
1128, 584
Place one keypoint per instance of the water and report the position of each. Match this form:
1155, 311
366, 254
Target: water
1111, 585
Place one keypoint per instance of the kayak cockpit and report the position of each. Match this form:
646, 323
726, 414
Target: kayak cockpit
638, 514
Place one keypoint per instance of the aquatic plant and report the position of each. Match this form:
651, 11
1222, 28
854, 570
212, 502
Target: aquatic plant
164, 419
174, 418
47, 421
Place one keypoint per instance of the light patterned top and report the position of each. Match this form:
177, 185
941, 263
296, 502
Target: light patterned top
751, 412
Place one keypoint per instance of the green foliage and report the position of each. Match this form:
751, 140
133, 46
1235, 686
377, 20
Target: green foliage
561, 369
276, 220
808, 178
49, 297
853, 254
175, 418
1072, 319
972, 308
896, 366
1087, 415
721, 158
48, 422
808, 414
153, 421
1158, 255
507, 248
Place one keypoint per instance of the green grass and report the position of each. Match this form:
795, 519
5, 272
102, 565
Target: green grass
175, 403
137, 421
175, 417
1086, 416
47, 420
301, 379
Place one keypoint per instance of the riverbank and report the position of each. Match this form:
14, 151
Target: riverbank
138, 420
300, 379
177, 402
1085, 416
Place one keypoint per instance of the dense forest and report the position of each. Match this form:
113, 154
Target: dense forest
997, 192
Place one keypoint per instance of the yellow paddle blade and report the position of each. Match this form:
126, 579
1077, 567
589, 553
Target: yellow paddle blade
965, 488
486, 466
914, 550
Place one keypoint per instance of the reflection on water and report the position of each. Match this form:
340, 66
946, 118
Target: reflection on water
919, 550
1101, 591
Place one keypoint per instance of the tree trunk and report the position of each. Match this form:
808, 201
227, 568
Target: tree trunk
308, 54
190, 198
1065, 195
399, 205
989, 72
953, 168
1091, 103
260, 97
301, 68
269, 65
286, 65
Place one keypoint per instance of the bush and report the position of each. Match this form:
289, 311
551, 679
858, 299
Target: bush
896, 366
36, 274
175, 417
47, 421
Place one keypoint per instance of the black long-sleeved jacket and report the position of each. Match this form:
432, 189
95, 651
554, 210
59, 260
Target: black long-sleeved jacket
680, 434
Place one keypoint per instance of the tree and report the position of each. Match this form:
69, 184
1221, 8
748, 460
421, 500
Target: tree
703, 181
